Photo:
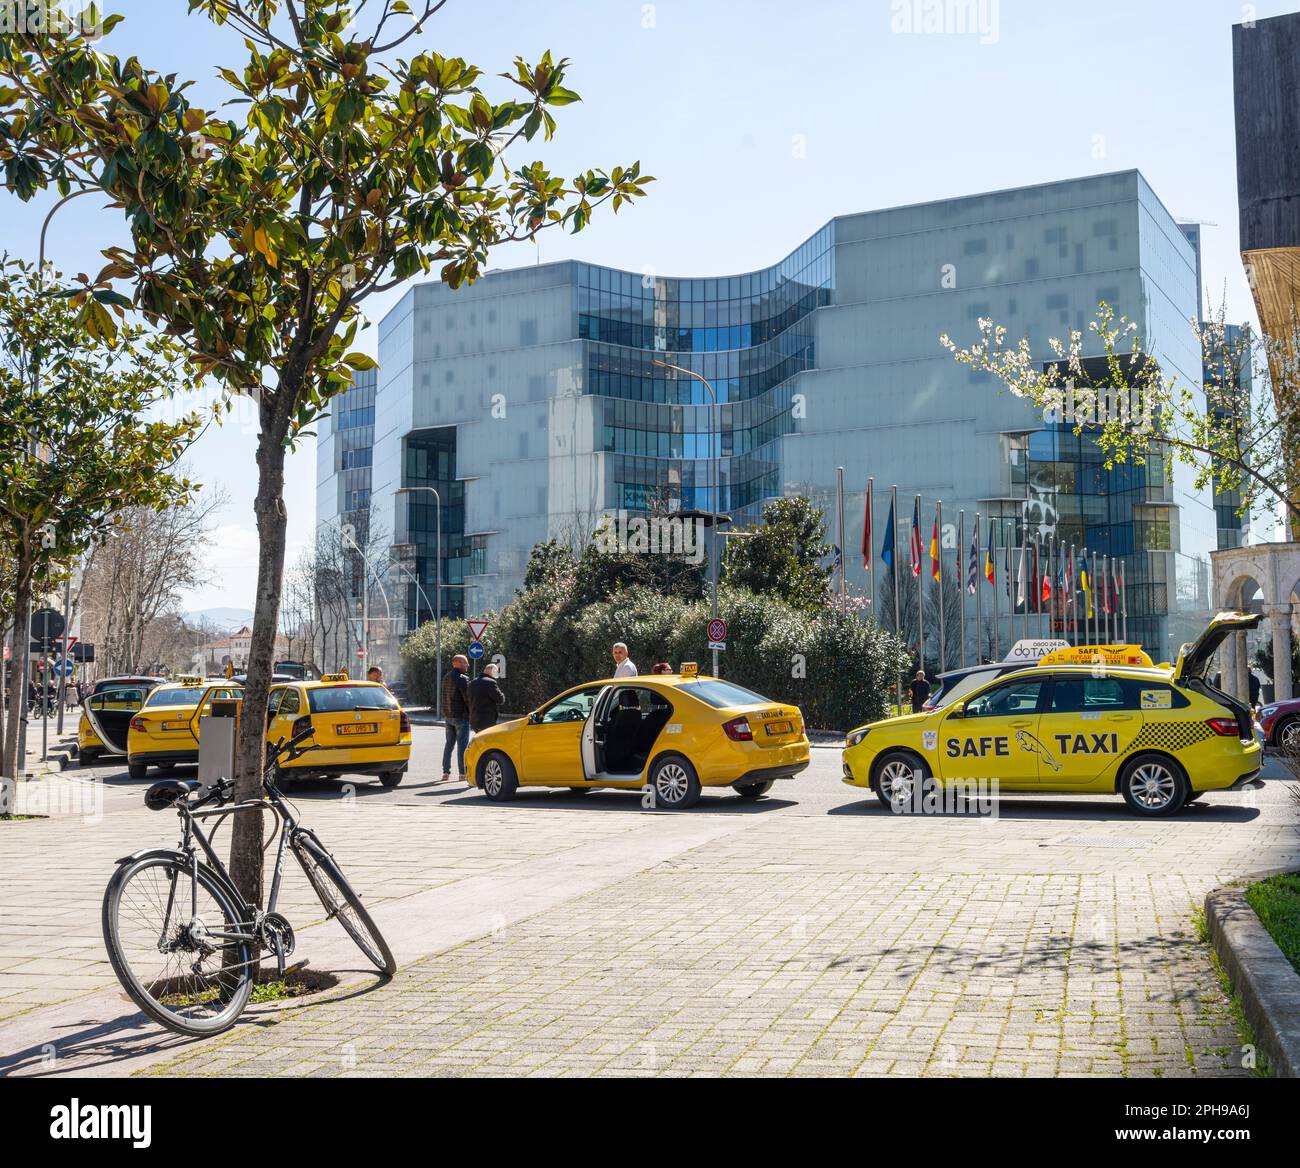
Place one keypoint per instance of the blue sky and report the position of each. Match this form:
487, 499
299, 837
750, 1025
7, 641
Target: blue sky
761, 120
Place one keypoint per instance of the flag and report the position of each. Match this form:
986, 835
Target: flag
990, 571
1006, 568
887, 548
1062, 585
1020, 577
1070, 577
934, 549
916, 538
1033, 579
973, 574
1047, 589
1123, 605
866, 531
1084, 583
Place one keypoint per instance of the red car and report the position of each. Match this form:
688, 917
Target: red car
1280, 722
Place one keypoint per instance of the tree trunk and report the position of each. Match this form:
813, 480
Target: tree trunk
10, 763
246, 835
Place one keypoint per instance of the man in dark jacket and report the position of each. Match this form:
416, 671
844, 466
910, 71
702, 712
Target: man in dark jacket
455, 713
485, 698
920, 691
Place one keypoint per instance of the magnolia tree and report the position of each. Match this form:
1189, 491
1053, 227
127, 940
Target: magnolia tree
334, 169
78, 442
1240, 433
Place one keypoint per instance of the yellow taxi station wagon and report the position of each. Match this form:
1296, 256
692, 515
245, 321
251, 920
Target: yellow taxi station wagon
1159, 736
164, 732
676, 734
106, 716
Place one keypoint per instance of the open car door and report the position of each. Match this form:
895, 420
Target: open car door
1194, 657
110, 710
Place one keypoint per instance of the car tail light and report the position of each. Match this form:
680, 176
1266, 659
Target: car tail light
738, 729
403, 721
1227, 727
300, 726
137, 723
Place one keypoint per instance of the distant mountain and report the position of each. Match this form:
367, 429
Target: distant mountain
226, 620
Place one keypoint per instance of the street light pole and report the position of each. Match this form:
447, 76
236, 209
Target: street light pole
715, 444
437, 578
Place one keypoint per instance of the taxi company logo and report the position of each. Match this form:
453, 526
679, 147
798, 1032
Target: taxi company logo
929, 739
89, 1121
654, 535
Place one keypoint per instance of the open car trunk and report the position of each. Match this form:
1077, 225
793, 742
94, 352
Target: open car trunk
1193, 666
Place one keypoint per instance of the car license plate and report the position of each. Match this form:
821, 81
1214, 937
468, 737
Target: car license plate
779, 728
358, 728
174, 725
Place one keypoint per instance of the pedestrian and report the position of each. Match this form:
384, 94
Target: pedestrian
455, 713
485, 699
920, 691
624, 666
661, 667
374, 673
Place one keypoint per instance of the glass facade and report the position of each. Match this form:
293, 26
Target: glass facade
430, 461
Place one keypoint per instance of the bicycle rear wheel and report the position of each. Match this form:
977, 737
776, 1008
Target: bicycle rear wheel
341, 902
192, 971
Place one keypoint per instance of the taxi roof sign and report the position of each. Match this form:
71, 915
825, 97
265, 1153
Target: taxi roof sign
1031, 649
689, 669
335, 676
1099, 655
189, 679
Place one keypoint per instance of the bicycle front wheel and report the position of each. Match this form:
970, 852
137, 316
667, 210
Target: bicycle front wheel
341, 902
180, 950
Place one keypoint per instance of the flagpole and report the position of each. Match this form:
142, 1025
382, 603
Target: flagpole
997, 616
868, 541
1051, 589
1123, 596
920, 586
938, 563
1074, 607
893, 555
979, 596
1020, 584
962, 577
839, 523
1105, 593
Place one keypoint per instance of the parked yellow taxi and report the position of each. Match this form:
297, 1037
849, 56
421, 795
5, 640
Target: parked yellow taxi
106, 716
166, 730
1158, 735
673, 733
358, 728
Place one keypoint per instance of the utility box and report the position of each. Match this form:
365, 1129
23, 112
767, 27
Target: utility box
218, 733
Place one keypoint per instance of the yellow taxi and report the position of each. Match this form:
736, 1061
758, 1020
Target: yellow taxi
1157, 735
106, 716
671, 734
165, 732
358, 728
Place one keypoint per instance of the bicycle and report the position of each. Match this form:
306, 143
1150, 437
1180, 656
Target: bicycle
182, 939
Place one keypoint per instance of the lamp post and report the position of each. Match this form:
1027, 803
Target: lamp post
437, 575
347, 532
715, 443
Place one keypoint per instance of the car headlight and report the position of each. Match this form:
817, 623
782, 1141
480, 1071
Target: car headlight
1268, 711
855, 737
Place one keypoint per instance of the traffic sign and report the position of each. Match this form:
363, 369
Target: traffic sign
717, 629
64, 668
476, 649
47, 625
66, 644
476, 629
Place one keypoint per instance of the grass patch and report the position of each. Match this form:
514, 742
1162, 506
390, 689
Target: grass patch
1276, 901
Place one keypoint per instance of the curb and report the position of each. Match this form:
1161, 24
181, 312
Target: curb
1260, 973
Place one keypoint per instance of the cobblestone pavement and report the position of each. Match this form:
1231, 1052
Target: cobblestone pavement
811, 933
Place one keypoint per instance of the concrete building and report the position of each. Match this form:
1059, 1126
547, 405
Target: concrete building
530, 402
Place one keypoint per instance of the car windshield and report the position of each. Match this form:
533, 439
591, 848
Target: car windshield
332, 698
961, 686
722, 694
186, 695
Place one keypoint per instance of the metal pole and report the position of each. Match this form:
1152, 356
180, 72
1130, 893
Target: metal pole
437, 576
1074, 608
961, 583
1123, 598
893, 555
839, 519
871, 545
979, 597
943, 615
67, 657
997, 614
920, 594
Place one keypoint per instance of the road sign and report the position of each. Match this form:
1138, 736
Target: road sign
64, 668
47, 624
476, 629
717, 630
476, 649
717, 645
66, 644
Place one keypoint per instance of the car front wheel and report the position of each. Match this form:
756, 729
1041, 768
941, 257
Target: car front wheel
1288, 735
674, 782
901, 780
497, 778
1153, 785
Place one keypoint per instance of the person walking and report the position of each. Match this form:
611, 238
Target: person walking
920, 691
624, 666
455, 713
485, 699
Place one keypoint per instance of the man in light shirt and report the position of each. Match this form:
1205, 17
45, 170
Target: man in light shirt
624, 666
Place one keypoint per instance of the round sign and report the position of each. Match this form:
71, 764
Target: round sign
64, 668
717, 629
47, 624
476, 649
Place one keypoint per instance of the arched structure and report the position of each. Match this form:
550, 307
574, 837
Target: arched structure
1275, 567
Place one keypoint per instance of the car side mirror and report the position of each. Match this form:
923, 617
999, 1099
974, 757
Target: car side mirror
958, 710
535, 717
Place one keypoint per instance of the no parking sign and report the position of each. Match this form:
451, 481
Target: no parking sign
717, 632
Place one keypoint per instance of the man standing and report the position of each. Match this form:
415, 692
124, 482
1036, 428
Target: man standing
484, 697
624, 666
455, 712
374, 673
920, 691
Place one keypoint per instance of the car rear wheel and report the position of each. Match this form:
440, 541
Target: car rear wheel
674, 782
89, 756
390, 779
754, 790
137, 770
1153, 785
497, 778
901, 780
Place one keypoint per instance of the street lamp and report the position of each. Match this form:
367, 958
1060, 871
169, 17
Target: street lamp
715, 443
346, 530
437, 577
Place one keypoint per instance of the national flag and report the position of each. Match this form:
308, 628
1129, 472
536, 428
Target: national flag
990, 570
1062, 585
1121, 586
1084, 583
1033, 579
1047, 589
887, 548
973, 573
915, 542
1070, 577
1006, 568
1020, 577
934, 549
866, 531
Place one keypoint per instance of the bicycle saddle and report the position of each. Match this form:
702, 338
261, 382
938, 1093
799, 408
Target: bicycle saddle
166, 792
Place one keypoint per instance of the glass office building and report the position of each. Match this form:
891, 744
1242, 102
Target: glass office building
537, 388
